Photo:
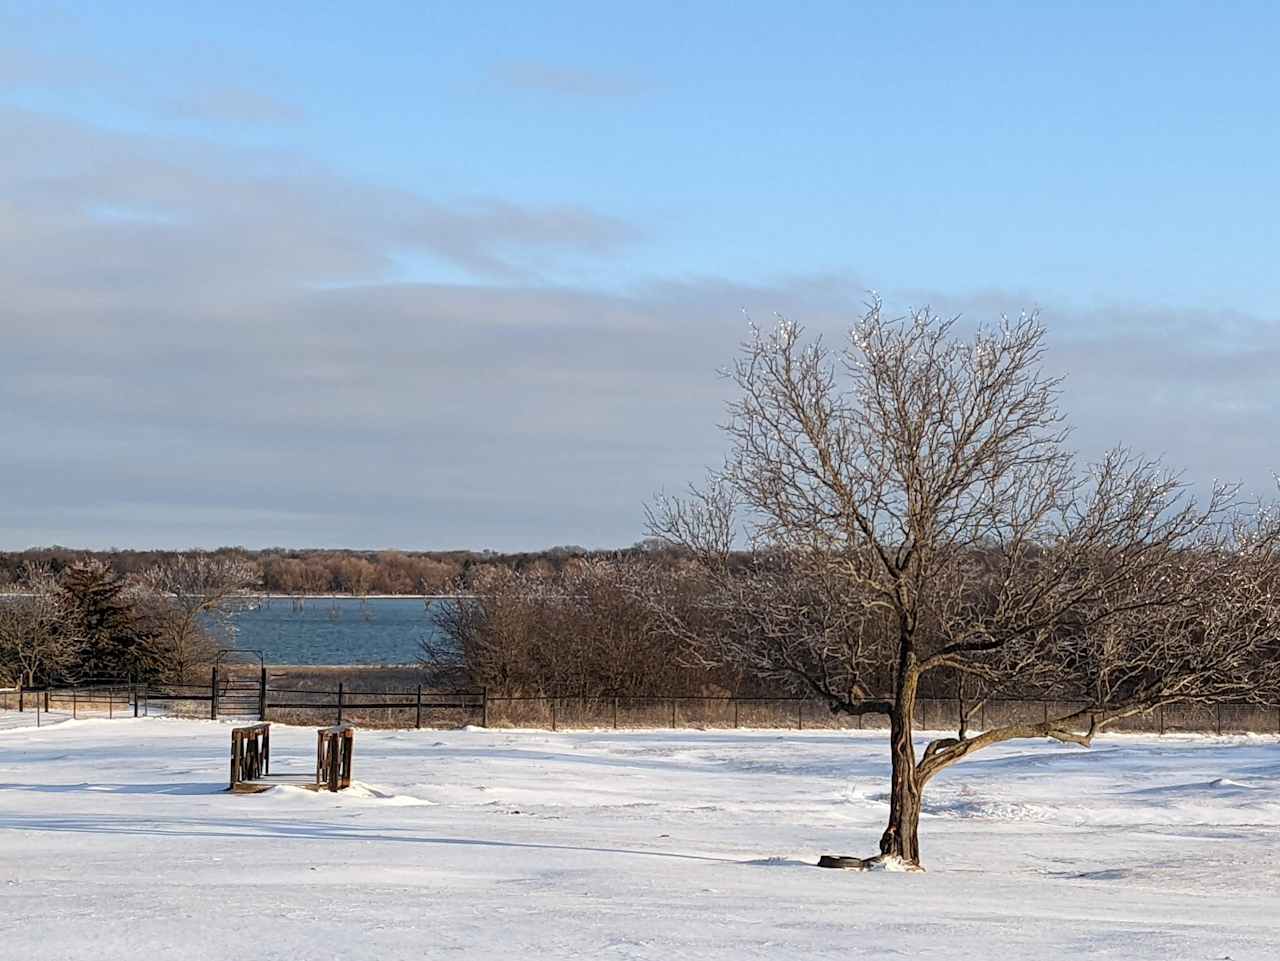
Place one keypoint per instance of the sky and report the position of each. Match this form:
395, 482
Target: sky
428, 275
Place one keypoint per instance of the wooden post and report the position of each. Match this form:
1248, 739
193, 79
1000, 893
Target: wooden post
553, 714
1160, 715
135, 699
673, 714
418, 720
800, 717
213, 694
262, 694
484, 706
235, 760
1218, 710
73, 703
348, 756
22, 696
111, 702
735, 712
339, 702
615, 713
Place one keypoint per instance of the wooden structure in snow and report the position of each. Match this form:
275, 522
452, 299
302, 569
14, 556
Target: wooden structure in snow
250, 755
335, 747
251, 760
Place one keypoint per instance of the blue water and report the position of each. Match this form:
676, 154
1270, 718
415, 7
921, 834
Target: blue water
335, 630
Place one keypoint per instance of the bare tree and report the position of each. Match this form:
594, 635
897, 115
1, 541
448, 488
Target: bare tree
197, 593
38, 640
912, 512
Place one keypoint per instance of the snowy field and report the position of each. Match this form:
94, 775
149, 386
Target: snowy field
118, 842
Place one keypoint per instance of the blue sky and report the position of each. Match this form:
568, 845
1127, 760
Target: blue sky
653, 168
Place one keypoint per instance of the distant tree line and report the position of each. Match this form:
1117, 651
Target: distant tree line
288, 571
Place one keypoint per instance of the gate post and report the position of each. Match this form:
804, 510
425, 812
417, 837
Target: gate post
262, 695
213, 693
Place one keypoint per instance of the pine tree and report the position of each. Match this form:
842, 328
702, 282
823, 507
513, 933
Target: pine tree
115, 638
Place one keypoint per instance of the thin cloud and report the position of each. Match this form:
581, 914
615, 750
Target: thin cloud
236, 105
565, 81
219, 219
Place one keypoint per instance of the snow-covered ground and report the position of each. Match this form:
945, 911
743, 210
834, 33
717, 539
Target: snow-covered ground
117, 841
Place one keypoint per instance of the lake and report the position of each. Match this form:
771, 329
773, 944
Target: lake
342, 630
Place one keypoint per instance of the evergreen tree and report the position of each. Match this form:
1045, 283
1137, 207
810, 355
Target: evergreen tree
114, 631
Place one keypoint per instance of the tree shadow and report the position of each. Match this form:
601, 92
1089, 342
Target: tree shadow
298, 830
85, 787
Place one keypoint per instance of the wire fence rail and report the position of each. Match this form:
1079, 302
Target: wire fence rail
422, 707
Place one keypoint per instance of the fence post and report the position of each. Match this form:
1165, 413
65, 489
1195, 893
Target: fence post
213, 694
553, 714
111, 703
800, 717
673, 714
417, 721
262, 694
1045, 704
22, 695
615, 712
135, 700
1160, 715
339, 702
46, 700
1218, 711
484, 706
73, 704
735, 713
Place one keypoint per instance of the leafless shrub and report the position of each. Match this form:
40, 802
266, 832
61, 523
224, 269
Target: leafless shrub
38, 640
578, 632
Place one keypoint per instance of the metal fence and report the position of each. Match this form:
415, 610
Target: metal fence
107, 699
419, 707
565, 713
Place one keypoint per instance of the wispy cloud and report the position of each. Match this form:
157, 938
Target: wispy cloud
565, 81
236, 105
211, 102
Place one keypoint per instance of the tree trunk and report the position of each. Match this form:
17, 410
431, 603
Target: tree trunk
900, 843
901, 838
